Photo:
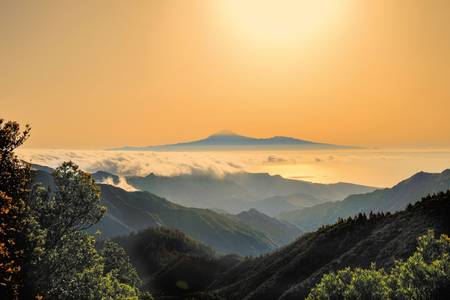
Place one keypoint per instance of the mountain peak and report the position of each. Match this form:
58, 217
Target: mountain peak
225, 133
229, 140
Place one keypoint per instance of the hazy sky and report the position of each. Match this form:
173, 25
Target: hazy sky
92, 74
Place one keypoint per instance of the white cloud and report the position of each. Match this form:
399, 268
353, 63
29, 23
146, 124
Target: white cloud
123, 184
374, 167
139, 163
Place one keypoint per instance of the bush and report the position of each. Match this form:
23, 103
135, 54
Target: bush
424, 275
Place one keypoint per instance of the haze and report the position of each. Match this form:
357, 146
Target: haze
380, 168
98, 74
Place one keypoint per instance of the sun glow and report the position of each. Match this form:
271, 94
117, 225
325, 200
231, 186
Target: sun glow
283, 23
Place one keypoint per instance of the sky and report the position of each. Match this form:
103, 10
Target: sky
98, 74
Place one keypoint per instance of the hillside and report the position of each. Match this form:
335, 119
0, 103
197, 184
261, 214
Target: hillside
275, 205
135, 211
264, 185
165, 257
290, 272
140, 210
236, 192
392, 199
280, 232
227, 140
153, 248
196, 190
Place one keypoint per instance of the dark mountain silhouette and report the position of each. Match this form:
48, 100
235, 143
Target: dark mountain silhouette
292, 271
386, 200
42, 168
227, 140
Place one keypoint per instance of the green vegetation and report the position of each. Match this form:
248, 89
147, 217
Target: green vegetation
135, 211
152, 249
424, 275
173, 264
45, 249
292, 271
14, 180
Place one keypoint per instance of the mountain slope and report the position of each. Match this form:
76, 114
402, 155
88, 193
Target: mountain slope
275, 205
140, 210
264, 185
236, 192
135, 211
292, 271
196, 190
163, 257
393, 199
153, 248
231, 141
280, 232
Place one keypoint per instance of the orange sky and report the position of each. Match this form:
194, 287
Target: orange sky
93, 74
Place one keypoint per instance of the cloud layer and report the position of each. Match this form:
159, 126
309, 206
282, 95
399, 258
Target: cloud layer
371, 167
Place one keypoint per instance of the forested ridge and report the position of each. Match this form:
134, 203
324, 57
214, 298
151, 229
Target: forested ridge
291, 272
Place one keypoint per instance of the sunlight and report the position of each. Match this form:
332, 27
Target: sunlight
285, 22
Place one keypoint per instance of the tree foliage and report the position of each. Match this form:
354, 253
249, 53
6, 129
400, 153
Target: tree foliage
118, 263
69, 266
424, 275
45, 250
9, 267
14, 182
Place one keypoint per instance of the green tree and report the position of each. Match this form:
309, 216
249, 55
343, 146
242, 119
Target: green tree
73, 206
45, 249
70, 267
424, 275
118, 263
9, 257
14, 225
370, 284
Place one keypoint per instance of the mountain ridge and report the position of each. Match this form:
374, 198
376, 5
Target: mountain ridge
228, 140
290, 272
141, 210
393, 199
236, 192
279, 231
138, 210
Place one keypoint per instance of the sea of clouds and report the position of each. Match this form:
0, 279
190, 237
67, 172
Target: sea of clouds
371, 167
143, 163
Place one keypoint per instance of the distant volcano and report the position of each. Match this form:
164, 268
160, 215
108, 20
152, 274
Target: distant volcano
227, 140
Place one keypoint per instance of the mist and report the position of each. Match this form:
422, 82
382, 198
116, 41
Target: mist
381, 168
